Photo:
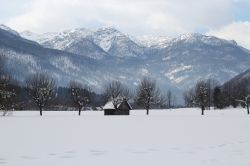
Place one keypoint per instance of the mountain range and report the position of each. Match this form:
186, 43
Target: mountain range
98, 56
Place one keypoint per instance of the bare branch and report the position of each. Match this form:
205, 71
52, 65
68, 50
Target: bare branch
41, 88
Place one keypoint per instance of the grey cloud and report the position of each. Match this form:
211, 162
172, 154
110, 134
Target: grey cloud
165, 17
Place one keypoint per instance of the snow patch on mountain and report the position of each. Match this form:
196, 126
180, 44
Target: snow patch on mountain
63, 39
30, 35
109, 39
65, 64
153, 41
104, 37
199, 38
143, 72
175, 74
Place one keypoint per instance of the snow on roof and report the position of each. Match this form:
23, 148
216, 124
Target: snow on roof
110, 105
129, 106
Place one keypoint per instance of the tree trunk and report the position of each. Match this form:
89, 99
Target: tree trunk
79, 112
41, 111
202, 110
147, 107
248, 110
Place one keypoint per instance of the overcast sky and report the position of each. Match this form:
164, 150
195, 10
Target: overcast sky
229, 19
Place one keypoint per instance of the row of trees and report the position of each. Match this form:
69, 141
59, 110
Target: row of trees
209, 93
42, 89
201, 95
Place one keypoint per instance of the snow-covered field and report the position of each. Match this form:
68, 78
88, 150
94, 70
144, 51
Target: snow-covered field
165, 137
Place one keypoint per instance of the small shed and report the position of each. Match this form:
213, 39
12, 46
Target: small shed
123, 108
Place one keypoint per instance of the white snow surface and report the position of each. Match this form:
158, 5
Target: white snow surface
165, 137
153, 41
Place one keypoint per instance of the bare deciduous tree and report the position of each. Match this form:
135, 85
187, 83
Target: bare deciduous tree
147, 94
189, 97
201, 91
245, 102
41, 88
169, 99
116, 92
80, 94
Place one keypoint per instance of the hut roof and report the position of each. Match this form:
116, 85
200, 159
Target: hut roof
110, 105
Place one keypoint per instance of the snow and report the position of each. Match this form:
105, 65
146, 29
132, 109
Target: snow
165, 137
58, 40
152, 41
30, 35
196, 37
65, 64
173, 74
143, 72
109, 105
104, 37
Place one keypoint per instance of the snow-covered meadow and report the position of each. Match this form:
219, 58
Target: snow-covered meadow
166, 137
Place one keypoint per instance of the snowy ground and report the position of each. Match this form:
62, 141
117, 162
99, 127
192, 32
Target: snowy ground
176, 138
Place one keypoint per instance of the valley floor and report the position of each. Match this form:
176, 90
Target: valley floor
166, 137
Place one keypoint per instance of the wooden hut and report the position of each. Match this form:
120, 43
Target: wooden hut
123, 108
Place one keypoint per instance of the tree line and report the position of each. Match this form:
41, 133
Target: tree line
41, 91
209, 93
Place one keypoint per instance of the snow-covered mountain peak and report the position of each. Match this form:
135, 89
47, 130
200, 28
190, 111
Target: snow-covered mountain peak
6, 28
194, 38
110, 41
69, 34
104, 37
153, 41
189, 37
58, 40
76, 32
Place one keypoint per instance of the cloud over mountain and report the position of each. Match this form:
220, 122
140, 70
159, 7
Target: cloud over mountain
172, 17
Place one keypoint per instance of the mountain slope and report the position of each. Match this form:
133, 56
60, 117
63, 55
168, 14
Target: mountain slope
116, 43
152, 41
106, 54
24, 57
103, 42
242, 77
73, 41
192, 57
